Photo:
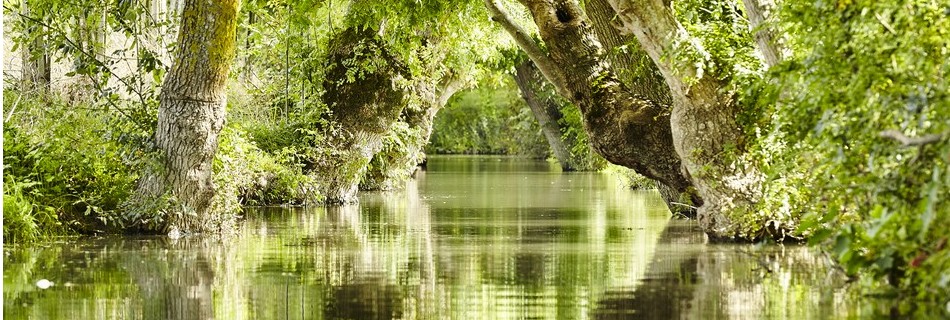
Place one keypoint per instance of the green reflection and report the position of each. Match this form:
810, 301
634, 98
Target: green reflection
472, 238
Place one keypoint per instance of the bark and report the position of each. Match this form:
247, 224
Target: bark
545, 110
757, 12
363, 107
631, 64
190, 116
636, 70
626, 129
705, 131
35, 74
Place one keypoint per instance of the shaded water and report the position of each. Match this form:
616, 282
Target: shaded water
472, 238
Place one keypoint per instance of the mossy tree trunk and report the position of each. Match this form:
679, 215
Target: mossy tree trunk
627, 129
190, 116
364, 98
403, 152
545, 110
638, 72
705, 131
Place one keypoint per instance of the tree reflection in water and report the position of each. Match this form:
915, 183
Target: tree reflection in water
473, 238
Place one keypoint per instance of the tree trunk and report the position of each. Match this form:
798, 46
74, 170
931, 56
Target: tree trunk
769, 47
390, 169
705, 131
636, 70
35, 74
545, 110
626, 129
363, 108
190, 116
630, 63
248, 72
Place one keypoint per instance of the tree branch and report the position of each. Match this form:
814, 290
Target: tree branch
757, 11
524, 40
912, 141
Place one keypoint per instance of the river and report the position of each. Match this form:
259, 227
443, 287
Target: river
470, 238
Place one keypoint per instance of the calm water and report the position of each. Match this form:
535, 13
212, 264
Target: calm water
471, 238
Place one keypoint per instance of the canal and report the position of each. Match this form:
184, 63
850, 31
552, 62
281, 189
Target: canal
469, 238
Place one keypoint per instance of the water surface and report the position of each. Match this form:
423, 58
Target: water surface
470, 238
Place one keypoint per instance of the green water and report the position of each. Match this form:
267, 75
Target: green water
471, 238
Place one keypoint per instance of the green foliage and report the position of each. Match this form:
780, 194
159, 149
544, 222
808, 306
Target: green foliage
866, 73
582, 154
630, 179
246, 175
402, 152
488, 121
724, 32
67, 166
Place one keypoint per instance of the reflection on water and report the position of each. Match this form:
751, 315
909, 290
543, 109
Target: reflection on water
473, 238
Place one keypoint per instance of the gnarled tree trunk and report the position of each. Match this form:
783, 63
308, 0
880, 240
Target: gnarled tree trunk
364, 103
625, 128
545, 110
190, 116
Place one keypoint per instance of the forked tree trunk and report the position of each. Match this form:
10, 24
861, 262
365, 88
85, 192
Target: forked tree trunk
364, 103
705, 131
545, 110
190, 116
638, 72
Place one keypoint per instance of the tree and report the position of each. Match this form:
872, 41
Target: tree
190, 116
364, 99
625, 128
545, 110
444, 49
705, 131
389, 169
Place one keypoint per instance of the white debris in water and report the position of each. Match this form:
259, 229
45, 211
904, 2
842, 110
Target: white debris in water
44, 284
174, 233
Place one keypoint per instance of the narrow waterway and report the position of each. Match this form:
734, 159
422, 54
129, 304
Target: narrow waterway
470, 238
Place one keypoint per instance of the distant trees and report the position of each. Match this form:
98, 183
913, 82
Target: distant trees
35, 55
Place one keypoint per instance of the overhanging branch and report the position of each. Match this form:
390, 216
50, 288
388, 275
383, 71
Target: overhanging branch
912, 141
524, 40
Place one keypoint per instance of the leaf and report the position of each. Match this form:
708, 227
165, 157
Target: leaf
842, 245
819, 236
